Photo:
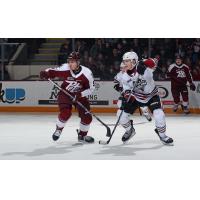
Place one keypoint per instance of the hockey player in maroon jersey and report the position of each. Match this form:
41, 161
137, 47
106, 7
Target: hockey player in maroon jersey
78, 81
179, 74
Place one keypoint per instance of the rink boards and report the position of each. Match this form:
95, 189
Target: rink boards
40, 96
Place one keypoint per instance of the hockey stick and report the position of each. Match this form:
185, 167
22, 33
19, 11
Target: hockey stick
108, 141
137, 123
108, 134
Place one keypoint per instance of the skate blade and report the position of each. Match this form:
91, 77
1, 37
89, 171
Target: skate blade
77, 144
80, 143
128, 139
168, 144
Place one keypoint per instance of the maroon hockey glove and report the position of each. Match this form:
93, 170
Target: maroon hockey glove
127, 94
192, 87
44, 75
151, 63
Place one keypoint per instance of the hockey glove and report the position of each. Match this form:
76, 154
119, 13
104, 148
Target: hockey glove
151, 63
118, 88
44, 75
147, 63
129, 96
192, 87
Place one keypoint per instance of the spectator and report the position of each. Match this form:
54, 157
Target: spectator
80, 47
104, 56
115, 57
85, 60
63, 53
195, 53
96, 48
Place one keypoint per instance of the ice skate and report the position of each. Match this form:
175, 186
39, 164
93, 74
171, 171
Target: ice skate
56, 134
128, 134
186, 110
175, 107
84, 139
165, 140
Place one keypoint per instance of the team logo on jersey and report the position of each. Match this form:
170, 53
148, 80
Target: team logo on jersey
140, 84
73, 86
181, 73
11, 95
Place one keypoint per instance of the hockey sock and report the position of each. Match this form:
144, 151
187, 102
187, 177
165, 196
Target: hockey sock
84, 128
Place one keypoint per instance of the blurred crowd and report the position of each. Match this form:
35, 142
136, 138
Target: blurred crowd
103, 56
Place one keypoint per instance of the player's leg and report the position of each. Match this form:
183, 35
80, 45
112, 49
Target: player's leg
128, 109
176, 96
85, 122
145, 112
185, 103
156, 108
65, 108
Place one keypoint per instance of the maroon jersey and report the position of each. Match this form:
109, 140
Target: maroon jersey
179, 75
82, 82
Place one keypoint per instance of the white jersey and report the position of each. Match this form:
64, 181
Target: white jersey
145, 88
118, 78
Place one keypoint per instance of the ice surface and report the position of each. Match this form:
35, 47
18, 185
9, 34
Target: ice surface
28, 136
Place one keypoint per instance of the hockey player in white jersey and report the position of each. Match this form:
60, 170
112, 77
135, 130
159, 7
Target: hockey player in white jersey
140, 90
119, 88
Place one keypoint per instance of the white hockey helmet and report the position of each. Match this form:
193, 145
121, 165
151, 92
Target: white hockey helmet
130, 56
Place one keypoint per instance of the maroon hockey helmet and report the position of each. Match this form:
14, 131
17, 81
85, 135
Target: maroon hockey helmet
178, 57
74, 55
178, 60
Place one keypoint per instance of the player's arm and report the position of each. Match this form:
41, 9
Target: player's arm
169, 70
143, 65
59, 72
117, 84
91, 86
190, 80
188, 75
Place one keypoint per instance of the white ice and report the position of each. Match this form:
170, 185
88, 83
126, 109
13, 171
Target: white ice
28, 136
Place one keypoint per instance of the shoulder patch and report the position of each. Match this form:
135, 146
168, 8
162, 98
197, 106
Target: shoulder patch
171, 67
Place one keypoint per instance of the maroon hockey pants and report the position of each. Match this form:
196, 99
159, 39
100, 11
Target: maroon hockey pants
65, 107
178, 91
